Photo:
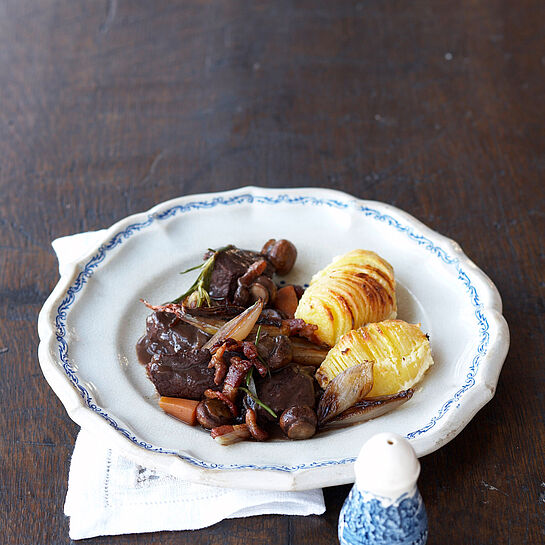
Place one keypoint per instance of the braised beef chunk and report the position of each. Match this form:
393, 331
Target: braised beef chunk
166, 334
184, 374
292, 386
275, 350
229, 266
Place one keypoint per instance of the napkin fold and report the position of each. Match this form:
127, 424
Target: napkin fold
110, 494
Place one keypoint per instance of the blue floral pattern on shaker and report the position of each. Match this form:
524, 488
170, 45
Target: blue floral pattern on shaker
365, 519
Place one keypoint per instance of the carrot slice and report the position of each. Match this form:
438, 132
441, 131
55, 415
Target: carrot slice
183, 409
286, 300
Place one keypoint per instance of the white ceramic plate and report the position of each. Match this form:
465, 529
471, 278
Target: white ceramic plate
89, 326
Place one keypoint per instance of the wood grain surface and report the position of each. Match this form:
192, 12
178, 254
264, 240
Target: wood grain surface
109, 107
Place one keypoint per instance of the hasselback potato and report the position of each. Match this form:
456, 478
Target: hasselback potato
400, 351
355, 289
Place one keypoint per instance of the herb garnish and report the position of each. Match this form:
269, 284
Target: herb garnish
258, 333
260, 403
250, 384
252, 392
199, 289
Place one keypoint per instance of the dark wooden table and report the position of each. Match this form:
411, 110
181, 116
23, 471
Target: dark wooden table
108, 107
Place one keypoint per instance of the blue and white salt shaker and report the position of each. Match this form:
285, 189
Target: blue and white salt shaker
384, 506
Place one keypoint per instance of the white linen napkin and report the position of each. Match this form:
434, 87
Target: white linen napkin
109, 494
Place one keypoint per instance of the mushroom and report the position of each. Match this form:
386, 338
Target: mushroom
299, 422
281, 253
258, 291
212, 413
269, 286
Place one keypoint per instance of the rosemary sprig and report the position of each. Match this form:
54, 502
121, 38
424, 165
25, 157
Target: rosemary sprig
199, 266
202, 284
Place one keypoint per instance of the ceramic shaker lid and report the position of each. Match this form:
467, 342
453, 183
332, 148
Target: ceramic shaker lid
387, 465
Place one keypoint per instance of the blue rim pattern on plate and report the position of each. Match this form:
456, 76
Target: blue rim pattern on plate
93, 263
